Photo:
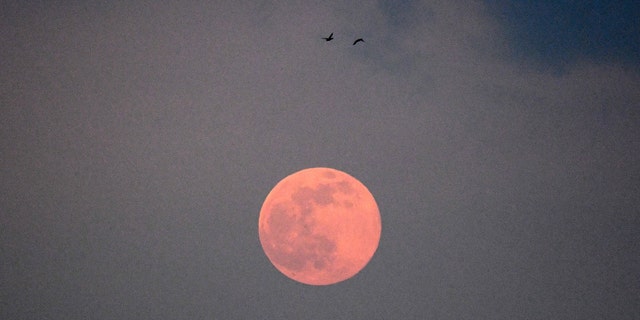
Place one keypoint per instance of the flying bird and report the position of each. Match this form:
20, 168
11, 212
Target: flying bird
358, 40
329, 38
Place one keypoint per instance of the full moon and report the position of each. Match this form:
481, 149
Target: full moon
319, 226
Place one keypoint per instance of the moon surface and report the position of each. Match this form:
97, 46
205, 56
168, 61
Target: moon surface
319, 226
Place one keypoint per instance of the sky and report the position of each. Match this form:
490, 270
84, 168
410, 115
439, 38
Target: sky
501, 140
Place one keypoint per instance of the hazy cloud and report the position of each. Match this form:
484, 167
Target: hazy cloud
139, 141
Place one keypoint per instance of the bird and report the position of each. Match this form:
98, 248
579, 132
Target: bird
329, 38
358, 40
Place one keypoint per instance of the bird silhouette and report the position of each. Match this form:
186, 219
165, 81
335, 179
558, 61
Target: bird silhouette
329, 38
358, 40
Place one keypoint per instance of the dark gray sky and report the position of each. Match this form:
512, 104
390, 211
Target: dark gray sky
501, 140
